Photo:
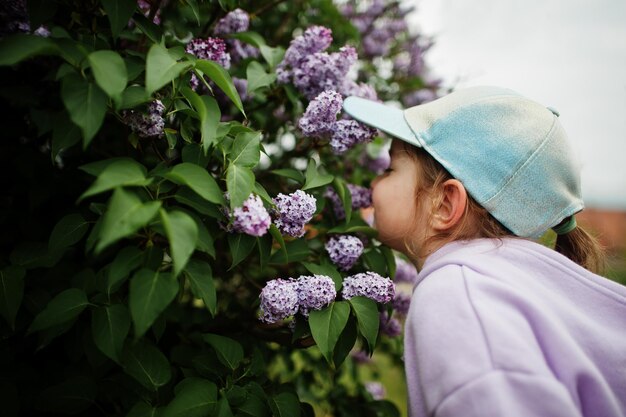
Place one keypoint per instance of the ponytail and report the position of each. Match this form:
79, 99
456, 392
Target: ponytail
582, 248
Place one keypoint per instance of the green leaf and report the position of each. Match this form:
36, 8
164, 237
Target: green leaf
343, 192
11, 292
133, 96
109, 328
125, 215
66, 306
366, 312
278, 237
182, 233
297, 250
240, 246
285, 404
149, 28
119, 13
345, 343
141, 409
313, 178
229, 352
195, 397
222, 79
327, 325
273, 56
68, 231
223, 408
126, 261
239, 183
123, 172
246, 149
86, 103
64, 134
290, 173
147, 365
149, 294
209, 114
71, 396
96, 168
201, 281
253, 38
193, 200
193, 5
161, 68
193, 153
109, 70
257, 77
16, 48
198, 179
375, 261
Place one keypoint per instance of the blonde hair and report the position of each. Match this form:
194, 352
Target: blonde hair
477, 222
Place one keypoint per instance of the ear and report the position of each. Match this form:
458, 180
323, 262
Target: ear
451, 207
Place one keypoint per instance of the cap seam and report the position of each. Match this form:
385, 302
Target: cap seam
530, 159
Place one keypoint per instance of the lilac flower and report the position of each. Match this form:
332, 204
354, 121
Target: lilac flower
377, 42
251, 218
320, 116
147, 124
145, 7
348, 133
351, 88
279, 300
411, 62
310, 68
234, 22
293, 211
315, 292
322, 71
361, 198
344, 250
377, 164
370, 285
418, 97
405, 271
211, 49
390, 326
13, 17
42, 31
360, 356
376, 390
401, 303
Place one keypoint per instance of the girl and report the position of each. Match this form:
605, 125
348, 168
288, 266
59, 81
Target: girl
499, 325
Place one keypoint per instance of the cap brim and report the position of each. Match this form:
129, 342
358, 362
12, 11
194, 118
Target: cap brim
386, 118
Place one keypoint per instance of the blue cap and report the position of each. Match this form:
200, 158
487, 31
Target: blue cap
511, 153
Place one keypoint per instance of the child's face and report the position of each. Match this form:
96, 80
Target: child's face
394, 199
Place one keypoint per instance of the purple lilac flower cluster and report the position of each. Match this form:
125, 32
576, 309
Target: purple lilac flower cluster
148, 124
361, 198
376, 390
401, 303
320, 120
293, 211
418, 97
13, 17
411, 61
251, 218
344, 250
377, 164
279, 300
282, 298
370, 285
405, 272
390, 326
311, 69
320, 116
315, 292
234, 22
211, 49
145, 7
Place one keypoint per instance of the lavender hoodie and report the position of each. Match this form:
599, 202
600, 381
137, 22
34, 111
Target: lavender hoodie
512, 328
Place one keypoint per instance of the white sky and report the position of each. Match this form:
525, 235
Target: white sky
566, 54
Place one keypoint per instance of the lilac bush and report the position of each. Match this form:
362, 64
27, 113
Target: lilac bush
161, 208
